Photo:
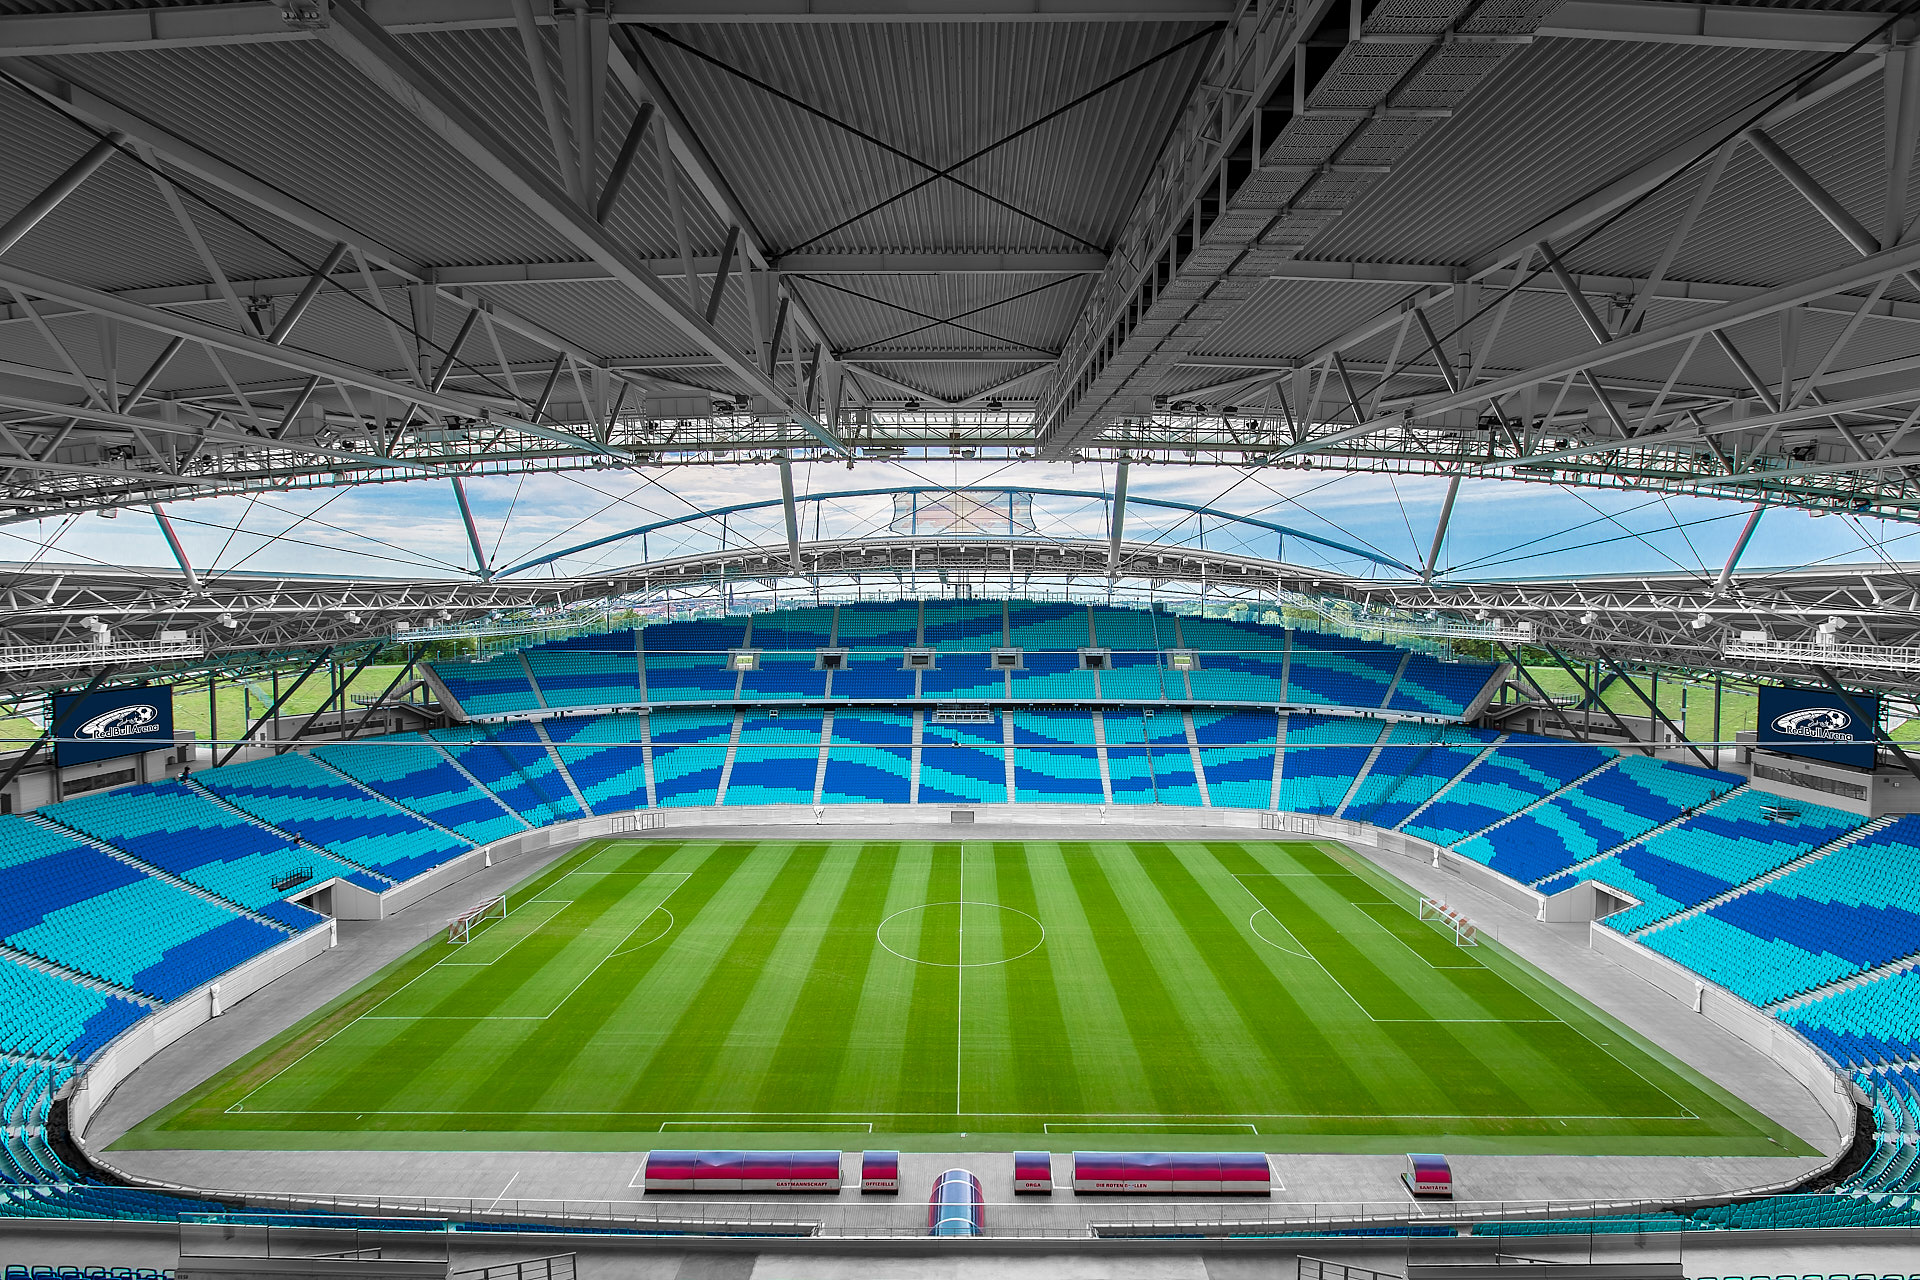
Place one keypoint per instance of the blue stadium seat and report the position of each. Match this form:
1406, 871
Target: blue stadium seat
962, 764
870, 760
1054, 758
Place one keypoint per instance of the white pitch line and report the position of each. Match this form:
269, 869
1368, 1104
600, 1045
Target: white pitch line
960, 980
1148, 1119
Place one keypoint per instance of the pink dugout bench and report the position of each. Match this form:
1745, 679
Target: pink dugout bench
1173, 1172
743, 1171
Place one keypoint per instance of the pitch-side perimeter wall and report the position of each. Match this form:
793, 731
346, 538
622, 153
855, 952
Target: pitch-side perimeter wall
1834, 1091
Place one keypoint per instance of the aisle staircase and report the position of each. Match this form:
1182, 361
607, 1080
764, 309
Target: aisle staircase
560, 767
1642, 838
1810, 856
1450, 784
158, 873
389, 800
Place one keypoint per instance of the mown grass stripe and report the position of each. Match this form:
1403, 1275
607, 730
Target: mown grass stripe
1196, 976
1182, 1079
927, 1068
1106, 1058
874, 1066
820, 1028
1304, 1068
557, 1064
676, 1072
1040, 1064
769, 1012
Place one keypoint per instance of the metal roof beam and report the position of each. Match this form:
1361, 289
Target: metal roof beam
213, 335
1666, 290
1765, 303
402, 76
1718, 25
1637, 182
97, 112
193, 26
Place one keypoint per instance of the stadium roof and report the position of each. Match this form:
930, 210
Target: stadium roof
1630, 244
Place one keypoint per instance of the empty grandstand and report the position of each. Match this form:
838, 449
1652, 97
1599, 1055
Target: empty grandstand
1118, 604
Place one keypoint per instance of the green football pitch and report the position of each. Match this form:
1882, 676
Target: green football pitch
962, 995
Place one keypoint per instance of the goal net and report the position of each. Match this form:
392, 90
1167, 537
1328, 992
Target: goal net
460, 928
1465, 932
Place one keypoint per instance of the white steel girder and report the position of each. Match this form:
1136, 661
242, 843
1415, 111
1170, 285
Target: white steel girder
398, 72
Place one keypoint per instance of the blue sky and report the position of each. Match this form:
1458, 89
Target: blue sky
1500, 529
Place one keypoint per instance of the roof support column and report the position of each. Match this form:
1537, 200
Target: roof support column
1116, 520
791, 511
1822, 200
379, 703
473, 532
1739, 549
1594, 699
278, 702
310, 291
1546, 699
1902, 91
173, 545
1654, 707
339, 693
1440, 528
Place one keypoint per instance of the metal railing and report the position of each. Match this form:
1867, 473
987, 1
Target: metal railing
555, 1266
1064, 1217
1857, 656
1306, 1268
28, 657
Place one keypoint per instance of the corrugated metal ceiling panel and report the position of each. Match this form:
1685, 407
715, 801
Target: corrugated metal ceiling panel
1286, 318
908, 310
116, 231
956, 381
937, 91
1565, 117
300, 118
601, 317
488, 68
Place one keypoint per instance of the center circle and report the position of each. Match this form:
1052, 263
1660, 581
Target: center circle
961, 935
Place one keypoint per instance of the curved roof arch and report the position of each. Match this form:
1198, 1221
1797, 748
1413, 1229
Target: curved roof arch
1232, 517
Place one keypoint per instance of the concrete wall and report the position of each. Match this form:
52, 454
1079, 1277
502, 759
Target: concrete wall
1778, 1041
182, 1014
1794, 1054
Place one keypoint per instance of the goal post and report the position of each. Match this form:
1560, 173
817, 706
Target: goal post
1465, 932
460, 928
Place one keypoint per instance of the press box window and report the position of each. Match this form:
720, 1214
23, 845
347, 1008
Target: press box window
919, 660
1096, 659
1008, 659
743, 659
829, 659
